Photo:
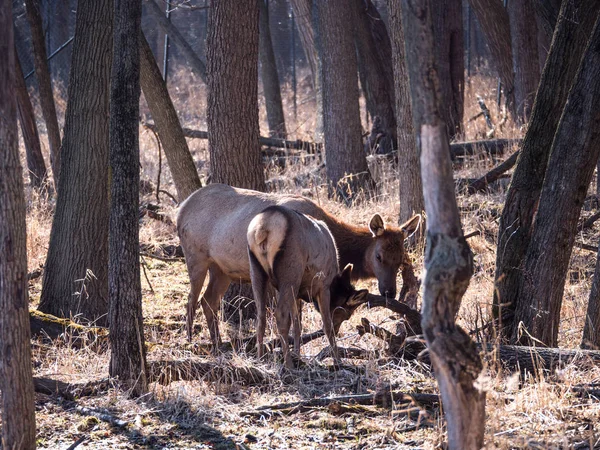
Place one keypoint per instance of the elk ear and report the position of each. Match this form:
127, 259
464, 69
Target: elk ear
411, 225
376, 225
346, 275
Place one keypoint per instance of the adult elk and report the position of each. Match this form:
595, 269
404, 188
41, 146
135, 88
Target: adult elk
295, 254
212, 225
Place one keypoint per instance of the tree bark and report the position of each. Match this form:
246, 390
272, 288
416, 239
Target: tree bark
167, 27
16, 381
42, 72
523, 32
450, 61
572, 161
58, 18
523, 194
448, 259
76, 278
409, 167
128, 353
181, 163
270, 78
35, 161
374, 52
493, 18
233, 130
346, 162
591, 329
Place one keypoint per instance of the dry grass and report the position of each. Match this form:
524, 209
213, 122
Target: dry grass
541, 413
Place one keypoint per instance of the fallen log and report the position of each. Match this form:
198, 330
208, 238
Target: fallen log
70, 391
496, 173
492, 147
52, 327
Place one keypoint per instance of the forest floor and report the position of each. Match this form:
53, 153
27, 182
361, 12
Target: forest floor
220, 409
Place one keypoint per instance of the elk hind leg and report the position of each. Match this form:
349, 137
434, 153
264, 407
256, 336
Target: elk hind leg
211, 302
197, 269
260, 281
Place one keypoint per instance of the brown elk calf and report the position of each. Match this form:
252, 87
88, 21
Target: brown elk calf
212, 224
296, 254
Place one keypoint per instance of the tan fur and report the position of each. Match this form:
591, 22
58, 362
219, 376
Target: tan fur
265, 236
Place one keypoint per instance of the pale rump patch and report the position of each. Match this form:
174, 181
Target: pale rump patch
266, 234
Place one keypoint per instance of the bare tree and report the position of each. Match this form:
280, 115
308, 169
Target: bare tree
128, 352
346, 162
591, 329
16, 382
35, 161
181, 163
76, 274
571, 164
233, 132
270, 78
449, 53
523, 32
42, 72
449, 261
409, 168
516, 222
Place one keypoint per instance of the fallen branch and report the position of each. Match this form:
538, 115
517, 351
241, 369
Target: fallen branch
581, 245
491, 147
70, 391
482, 183
589, 222
101, 415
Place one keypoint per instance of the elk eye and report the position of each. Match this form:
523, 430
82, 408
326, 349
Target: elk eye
378, 256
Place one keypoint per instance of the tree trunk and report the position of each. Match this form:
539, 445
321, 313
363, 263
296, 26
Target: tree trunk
572, 161
493, 18
270, 78
523, 31
35, 161
181, 163
58, 15
591, 329
128, 352
303, 14
346, 161
184, 47
448, 259
233, 132
374, 52
409, 168
450, 62
523, 194
76, 278
16, 382
42, 73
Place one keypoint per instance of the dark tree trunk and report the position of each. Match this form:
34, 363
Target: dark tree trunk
128, 352
303, 14
42, 73
270, 78
341, 115
58, 18
544, 40
523, 32
76, 278
572, 161
409, 168
493, 18
181, 163
184, 47
374, 52
591, 329
450, 61
522, 197
233, 132
16, 382
448, 258
547, 12
35, 161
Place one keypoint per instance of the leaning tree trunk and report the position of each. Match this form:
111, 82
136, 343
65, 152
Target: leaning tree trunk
35, 161
346, 162
128, 352
76, 274
409, 168
16, 382
493, 18
523, 31
572, 161
591, 329
448, 260
233, 132
170, 133
270, 78
523, 194
58, 17
374, 52
450, 61
42, 72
